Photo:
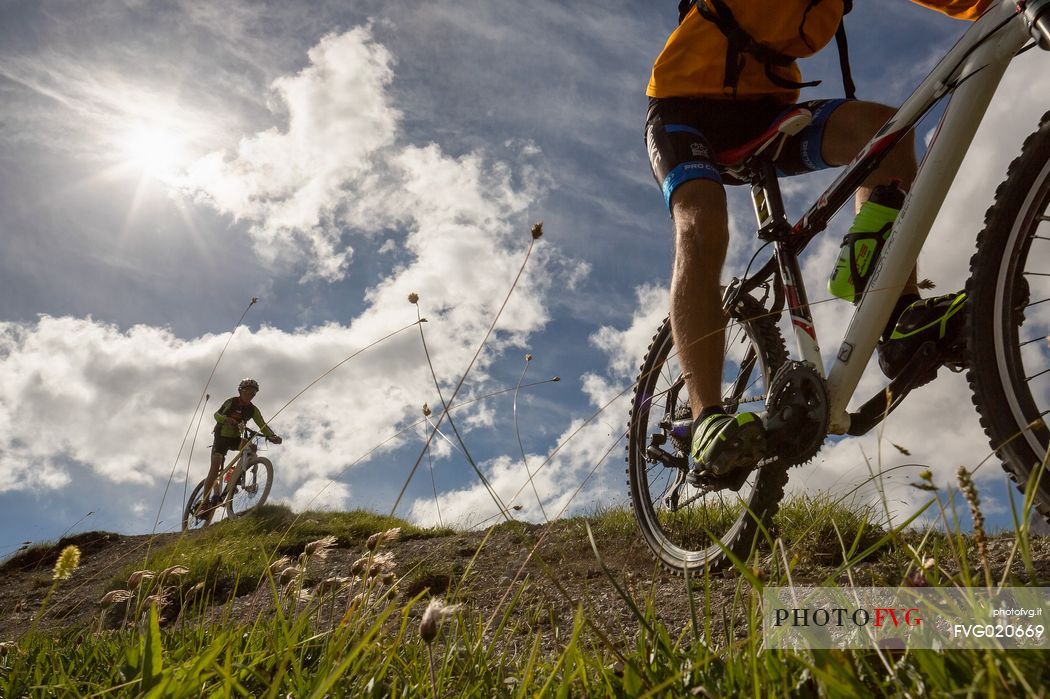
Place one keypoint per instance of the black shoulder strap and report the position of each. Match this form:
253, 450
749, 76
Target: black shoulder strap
683, 9
740, 41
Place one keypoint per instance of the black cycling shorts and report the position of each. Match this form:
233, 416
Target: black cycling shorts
221, 445
682, 133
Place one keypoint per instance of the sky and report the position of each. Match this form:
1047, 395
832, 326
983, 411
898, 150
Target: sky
164, 163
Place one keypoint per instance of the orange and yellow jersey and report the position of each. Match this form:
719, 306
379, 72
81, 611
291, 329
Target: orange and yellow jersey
693, 61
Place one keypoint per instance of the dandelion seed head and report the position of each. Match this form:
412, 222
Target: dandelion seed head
67, 562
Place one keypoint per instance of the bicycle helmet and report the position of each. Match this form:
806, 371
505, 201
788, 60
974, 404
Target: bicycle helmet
248, 383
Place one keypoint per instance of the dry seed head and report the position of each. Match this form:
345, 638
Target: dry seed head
381, 563
290, 574
115, 597
173, 571
537, 230
67, 562
280, 564
382, 537
426, 410
388, 579
969, 490
136, 578
413, 298
528, 357
319, 549
358, 566
332, 585
160, 599
435, 613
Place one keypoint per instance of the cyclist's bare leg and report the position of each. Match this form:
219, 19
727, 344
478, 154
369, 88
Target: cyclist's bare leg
697, 320
848, 129
212, 477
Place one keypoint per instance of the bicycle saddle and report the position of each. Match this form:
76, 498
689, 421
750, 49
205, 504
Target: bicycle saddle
769, 142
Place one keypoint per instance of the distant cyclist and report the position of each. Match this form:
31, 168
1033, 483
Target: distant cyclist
230, 419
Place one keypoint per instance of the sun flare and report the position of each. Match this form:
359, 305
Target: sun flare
155, 151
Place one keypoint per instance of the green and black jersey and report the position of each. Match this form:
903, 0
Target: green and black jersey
240, 412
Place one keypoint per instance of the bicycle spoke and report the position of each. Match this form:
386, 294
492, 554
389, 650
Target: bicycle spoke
1036, 274
1040, 338
1034, 303
1035, 376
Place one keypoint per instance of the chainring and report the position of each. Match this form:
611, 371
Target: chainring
797, 412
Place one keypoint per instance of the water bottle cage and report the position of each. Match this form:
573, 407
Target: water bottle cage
849, 241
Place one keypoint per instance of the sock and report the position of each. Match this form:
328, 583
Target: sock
902, 303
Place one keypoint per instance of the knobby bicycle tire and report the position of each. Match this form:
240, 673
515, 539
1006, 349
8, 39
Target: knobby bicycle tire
681, 538
249, 486
1009, 318
189, 519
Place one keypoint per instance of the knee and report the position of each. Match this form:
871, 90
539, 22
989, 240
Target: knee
700, 216
850, 127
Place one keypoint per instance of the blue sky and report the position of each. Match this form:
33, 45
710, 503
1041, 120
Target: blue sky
162, 163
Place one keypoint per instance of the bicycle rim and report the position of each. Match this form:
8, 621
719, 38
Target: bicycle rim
250, 486
685, 526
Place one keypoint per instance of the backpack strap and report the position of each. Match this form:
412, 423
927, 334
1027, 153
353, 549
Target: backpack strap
739, 41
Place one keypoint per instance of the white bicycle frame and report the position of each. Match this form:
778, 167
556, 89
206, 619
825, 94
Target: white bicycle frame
971, 72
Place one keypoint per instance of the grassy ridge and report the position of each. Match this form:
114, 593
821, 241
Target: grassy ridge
363, 638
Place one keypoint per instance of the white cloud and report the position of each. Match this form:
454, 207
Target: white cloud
321, 494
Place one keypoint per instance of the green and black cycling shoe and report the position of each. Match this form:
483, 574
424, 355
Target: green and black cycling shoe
724, 443
940, 320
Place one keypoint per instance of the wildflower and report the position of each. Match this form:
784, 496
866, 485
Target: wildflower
319, 549
290, 574
382, 537
137, 578
115, 597
537, 230
413, 298
67, 562
436, 612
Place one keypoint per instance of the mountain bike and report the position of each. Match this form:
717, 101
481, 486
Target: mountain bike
699, 520
243, 484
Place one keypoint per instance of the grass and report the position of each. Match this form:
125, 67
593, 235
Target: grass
364, 642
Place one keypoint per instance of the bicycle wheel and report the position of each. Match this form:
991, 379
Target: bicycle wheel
678, 520
1009, 320
190, 518
249, 486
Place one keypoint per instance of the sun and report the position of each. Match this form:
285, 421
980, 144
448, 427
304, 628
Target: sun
155, 151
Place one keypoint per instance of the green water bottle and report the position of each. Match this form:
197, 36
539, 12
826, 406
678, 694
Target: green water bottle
864, 242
